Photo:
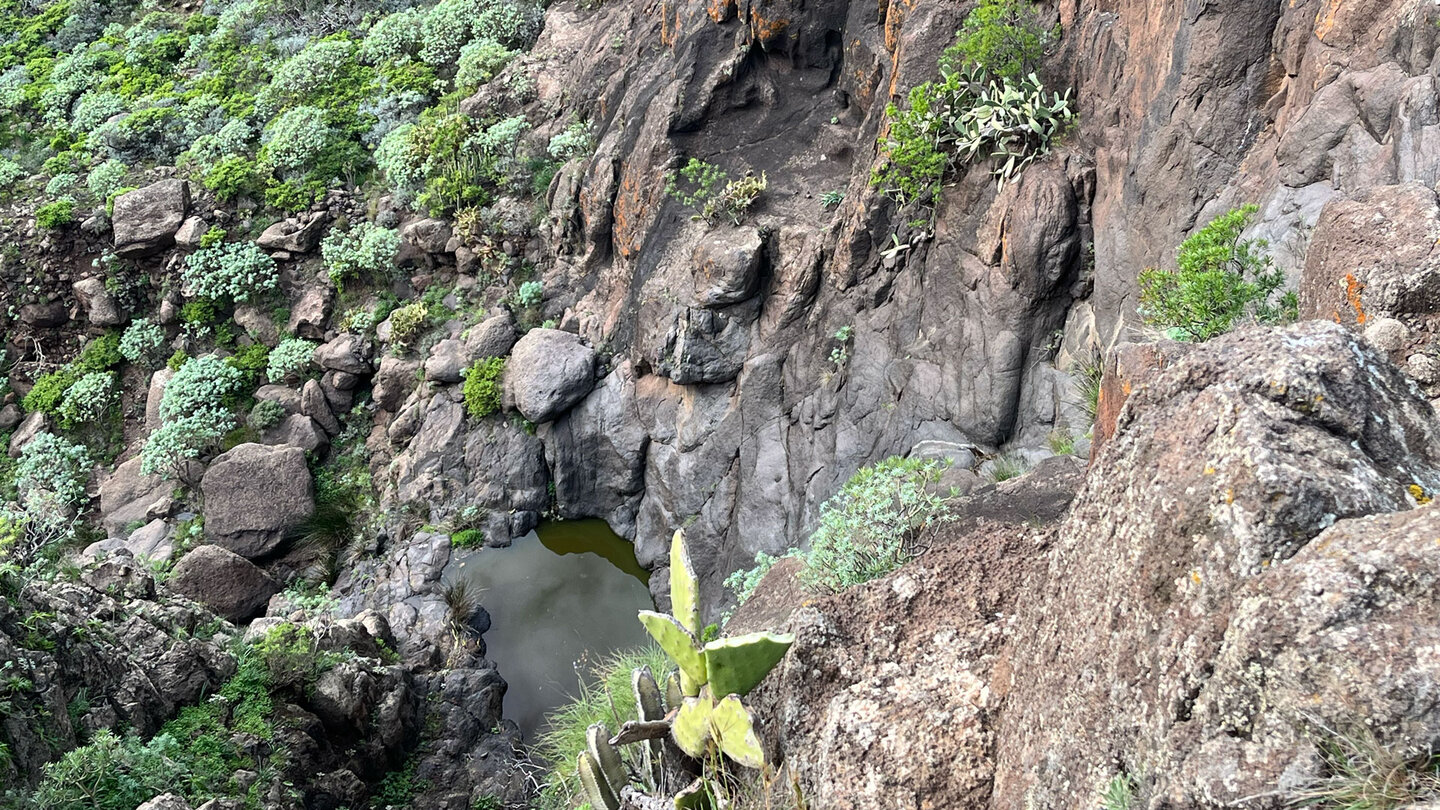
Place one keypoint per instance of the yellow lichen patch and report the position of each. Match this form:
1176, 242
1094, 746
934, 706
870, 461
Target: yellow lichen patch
1229, 496
1195, 576
1209, 470
1325, 19
1418, 493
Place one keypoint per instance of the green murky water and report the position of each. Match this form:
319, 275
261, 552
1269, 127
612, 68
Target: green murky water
567, 591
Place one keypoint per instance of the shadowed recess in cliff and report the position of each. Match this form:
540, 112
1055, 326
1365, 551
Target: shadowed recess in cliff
567, 592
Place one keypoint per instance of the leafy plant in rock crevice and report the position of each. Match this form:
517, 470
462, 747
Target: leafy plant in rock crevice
1220, 280
712, 193
482, 387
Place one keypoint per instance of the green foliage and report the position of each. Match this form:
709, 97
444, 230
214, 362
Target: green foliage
1119, 794
110, 773
962, 117
407, 322
289, 360
1088, 373
1220, 280
364, 250
713, 194
479, 62
1005, 467
880, 519
1003, 37
398, 788
88, 399
142, 342
468, 539
482, 387
56, 465
231, 178
106, 178
573, 141
266, 414
236, 271
530, 293
201, 312
194, 413
56, 214
832, 199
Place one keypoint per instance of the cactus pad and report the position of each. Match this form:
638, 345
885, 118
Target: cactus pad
691, 727
597, 744
733, 728
734, 666
679, 644
647, 695
684, 587
597, 790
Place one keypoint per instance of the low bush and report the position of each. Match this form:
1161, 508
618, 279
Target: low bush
482, 387
407, 322
236, 271
1004, 37
194, 413
56, 214
882, 518
88, 400
712, 193
364, 250
143, 343
1220, 280
266, 414
53, 464
289, 360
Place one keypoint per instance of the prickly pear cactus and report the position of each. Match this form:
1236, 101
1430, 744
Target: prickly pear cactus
680, 645
691, 726
684, 586
597, 744
694, 797
597, 790
734, 666
734, 731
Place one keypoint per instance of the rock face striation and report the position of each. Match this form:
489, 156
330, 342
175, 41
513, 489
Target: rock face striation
1244, 575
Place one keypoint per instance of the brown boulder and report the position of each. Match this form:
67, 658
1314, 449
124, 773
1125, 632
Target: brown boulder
223, 581
254, 494
145, 220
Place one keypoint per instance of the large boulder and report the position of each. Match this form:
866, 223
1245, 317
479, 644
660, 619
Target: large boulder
394, 382
548, 372
145, 220
254, 494
346, 353
29, 428
223, 581
296, 235
1146, 647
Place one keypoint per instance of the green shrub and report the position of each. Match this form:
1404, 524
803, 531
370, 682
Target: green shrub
49, 389
962, 117
289, 360
882, 518
237, 271
1220, 280
468, 538
200, 312
1004, 37
142, 342
366, 249
53, 464
56, 214
194, 413
530, 294
294, 140
482, 387
712, 193
88, 399
266, 414
110, 773
10, 171
407, 321
106, 178
232, 177
479, 62
252, 361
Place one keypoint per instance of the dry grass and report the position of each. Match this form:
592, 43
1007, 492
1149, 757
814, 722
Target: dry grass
1366, 775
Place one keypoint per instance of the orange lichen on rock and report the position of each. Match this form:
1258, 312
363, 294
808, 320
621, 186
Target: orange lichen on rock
763, 29
631, 205
1325, 18
1353, 288
894, 18
720, 10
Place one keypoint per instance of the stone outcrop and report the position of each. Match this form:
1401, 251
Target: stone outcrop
254, 494
145, 220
